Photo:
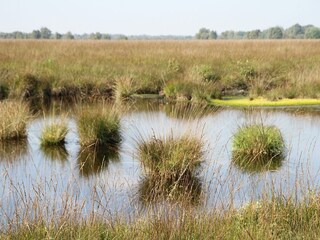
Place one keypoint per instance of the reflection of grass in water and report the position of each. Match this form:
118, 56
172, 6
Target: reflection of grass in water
187, 110
186, 190
59, 153
94, 160
261, 165
13, 150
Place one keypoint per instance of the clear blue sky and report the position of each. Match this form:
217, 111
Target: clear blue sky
180, 17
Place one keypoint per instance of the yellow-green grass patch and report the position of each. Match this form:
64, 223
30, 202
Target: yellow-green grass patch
262, 102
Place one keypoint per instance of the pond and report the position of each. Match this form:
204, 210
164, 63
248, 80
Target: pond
42, 182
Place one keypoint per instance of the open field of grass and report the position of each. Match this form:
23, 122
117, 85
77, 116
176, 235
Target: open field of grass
197, 70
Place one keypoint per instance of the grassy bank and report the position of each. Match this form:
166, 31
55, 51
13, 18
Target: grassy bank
181, 70
276, 219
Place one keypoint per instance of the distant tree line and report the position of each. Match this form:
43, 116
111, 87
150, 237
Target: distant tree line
45, 33
294, 32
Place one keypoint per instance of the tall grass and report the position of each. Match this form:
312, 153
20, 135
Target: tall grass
284, 69
275, 219
13, 120
99, 126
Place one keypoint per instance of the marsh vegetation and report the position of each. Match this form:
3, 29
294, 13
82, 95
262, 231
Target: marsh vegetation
174, 168
181, 70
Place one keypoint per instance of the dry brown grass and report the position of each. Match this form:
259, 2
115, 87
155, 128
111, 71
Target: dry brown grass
272, 65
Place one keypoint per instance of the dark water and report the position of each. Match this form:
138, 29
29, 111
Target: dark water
56, 179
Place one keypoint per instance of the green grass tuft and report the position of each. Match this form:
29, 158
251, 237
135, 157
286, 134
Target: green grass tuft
171, 158
258, 145
99, 126
54, 134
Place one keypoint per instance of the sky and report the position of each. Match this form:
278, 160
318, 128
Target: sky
161, 17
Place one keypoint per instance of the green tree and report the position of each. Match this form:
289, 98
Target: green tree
213, 35
18, 35
58, 35
254, 34
205, 33
227, 35
98, 36
275, 33
312, 33
122, 37
45, 33
106, 36
69, 35
95, 36
36, 34
295, 31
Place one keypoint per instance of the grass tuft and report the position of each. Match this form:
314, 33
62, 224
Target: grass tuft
124, 88
13, 120
258, 144
171, 158
54, 134
99, 126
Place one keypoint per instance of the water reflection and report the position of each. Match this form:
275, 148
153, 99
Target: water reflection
264, 164
188, 110
187, 191
55, 153
13, 150
49, 105
92, 161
